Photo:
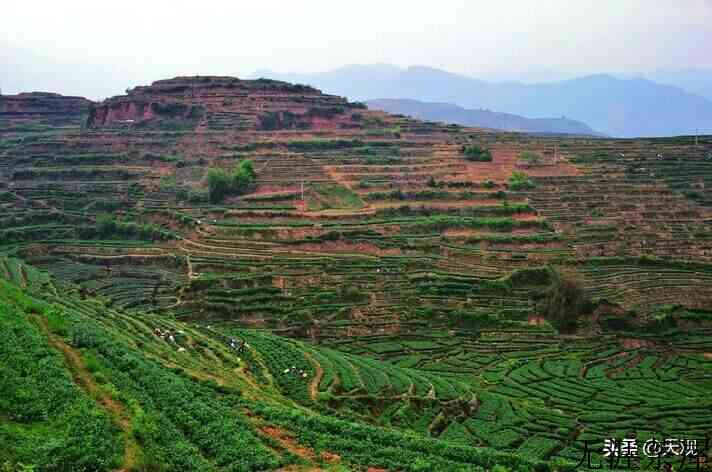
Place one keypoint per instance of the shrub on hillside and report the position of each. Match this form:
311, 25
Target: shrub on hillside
219, 183
520, 181
222, 183
352, 295
477, 154
168, 182
83, 337
475, 319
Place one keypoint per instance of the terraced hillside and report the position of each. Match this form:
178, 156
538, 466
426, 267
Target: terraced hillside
252, 275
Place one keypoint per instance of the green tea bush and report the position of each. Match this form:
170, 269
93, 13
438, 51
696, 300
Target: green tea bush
53, 424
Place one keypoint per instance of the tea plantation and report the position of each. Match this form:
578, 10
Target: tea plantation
219, 274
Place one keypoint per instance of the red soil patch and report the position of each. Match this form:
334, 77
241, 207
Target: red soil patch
279, 282
271, 188
633, 343
526, 217
288, 442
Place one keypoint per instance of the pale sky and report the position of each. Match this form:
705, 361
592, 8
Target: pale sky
484, 39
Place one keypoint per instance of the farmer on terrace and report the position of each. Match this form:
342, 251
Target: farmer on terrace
237, 345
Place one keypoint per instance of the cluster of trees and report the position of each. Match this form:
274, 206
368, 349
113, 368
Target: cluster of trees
477, 154
176, 110
474, 319
273, 120
109, 227
222, 183
564, 301
304, 145
328, 112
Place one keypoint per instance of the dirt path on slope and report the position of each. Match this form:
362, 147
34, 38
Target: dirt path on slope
288, 442
314, 384
85, 380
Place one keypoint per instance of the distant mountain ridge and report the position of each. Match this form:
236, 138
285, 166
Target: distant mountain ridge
449, 113
697, 81
614, 106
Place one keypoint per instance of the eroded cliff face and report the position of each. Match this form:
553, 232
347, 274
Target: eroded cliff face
121, 111
42, 107
222, 103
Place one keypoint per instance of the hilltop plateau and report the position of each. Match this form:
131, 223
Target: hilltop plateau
42, 109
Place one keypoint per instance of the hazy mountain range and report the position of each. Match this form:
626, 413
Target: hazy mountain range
615, 104
611, 105
480, 118
698, 81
